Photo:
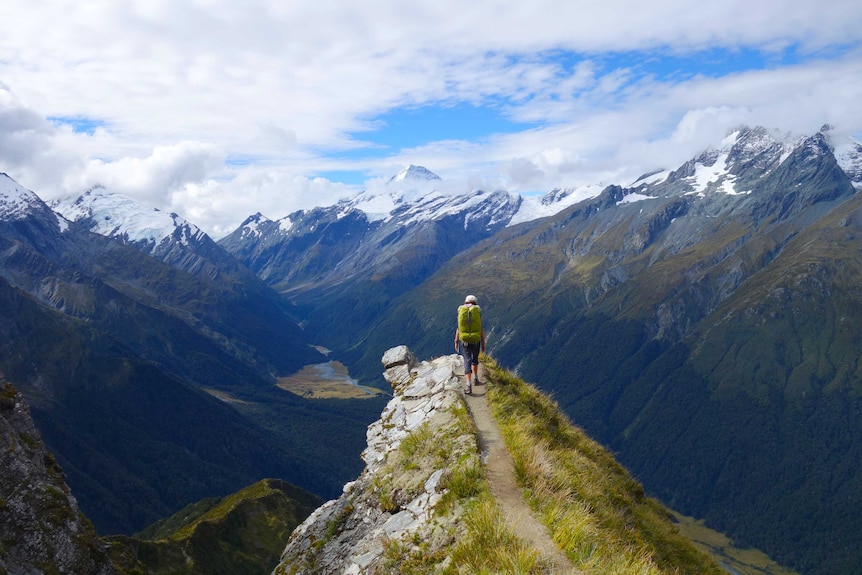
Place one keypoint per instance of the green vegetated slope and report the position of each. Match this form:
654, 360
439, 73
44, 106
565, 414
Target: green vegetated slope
596, 512
243, 533
138, 442
711, 342
751, 418
120, 356
594, 509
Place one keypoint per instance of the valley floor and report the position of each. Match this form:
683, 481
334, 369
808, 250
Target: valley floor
329, 380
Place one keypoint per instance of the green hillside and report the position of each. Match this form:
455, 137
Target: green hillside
243, 533
156, 388
595, 510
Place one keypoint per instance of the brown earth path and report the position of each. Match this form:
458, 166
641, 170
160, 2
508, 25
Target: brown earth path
504, 486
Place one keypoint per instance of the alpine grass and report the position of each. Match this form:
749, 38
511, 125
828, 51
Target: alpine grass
595, 511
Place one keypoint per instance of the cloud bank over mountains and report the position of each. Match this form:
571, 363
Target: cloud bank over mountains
216, 110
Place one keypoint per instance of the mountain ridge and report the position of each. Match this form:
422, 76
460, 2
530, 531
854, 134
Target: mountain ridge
629, 310
726, 286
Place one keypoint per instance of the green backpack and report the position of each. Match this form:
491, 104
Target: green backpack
470, 323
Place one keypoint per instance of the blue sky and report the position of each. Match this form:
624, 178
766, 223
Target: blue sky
78, 124
217, 110
411, 127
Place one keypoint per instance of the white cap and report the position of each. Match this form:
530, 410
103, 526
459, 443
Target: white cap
470, 299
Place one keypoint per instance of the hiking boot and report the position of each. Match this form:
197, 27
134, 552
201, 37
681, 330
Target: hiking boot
468, 390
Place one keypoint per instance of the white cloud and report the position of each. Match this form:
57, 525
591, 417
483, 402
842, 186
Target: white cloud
152, 179
224, 205
179, 86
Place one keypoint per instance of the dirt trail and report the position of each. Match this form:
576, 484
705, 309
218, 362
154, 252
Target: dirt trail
504, 487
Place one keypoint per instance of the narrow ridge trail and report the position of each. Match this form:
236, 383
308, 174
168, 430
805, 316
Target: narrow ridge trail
504, 486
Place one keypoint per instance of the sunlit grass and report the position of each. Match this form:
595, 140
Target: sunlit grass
478, 541
486, 545
596, 512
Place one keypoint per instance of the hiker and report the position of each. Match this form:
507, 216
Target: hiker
470, 338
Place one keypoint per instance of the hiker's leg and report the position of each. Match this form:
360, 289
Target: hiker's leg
471, 360
468, 360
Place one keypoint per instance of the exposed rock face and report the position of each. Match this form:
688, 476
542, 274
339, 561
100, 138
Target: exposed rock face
393, 502
41, 528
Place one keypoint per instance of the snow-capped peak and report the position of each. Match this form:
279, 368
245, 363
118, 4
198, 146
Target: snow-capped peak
251, 226
717, 169
16, 202
413, 184
114, 215
416, 173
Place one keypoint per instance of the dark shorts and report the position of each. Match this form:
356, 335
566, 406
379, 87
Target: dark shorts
470, 353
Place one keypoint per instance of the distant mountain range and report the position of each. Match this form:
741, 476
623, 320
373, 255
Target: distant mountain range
702, 322
149, 362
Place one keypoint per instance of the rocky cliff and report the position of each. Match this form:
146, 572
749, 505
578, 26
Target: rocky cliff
415, 452
41, 528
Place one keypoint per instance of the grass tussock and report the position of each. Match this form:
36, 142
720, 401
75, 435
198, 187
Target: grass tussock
596, 512
486, 545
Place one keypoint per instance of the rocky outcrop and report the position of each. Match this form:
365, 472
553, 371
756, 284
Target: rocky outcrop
41, 528
396, 500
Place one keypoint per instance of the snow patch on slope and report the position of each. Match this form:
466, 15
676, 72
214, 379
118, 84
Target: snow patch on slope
636, 197
715, 177
552, 203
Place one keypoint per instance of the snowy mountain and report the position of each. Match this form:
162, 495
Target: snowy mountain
372, 247
25, 218
743, 156
16, 202
165, 236
414, 173
406, 200
363, 235
116, 216
555, 201
721, 169
410, 195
